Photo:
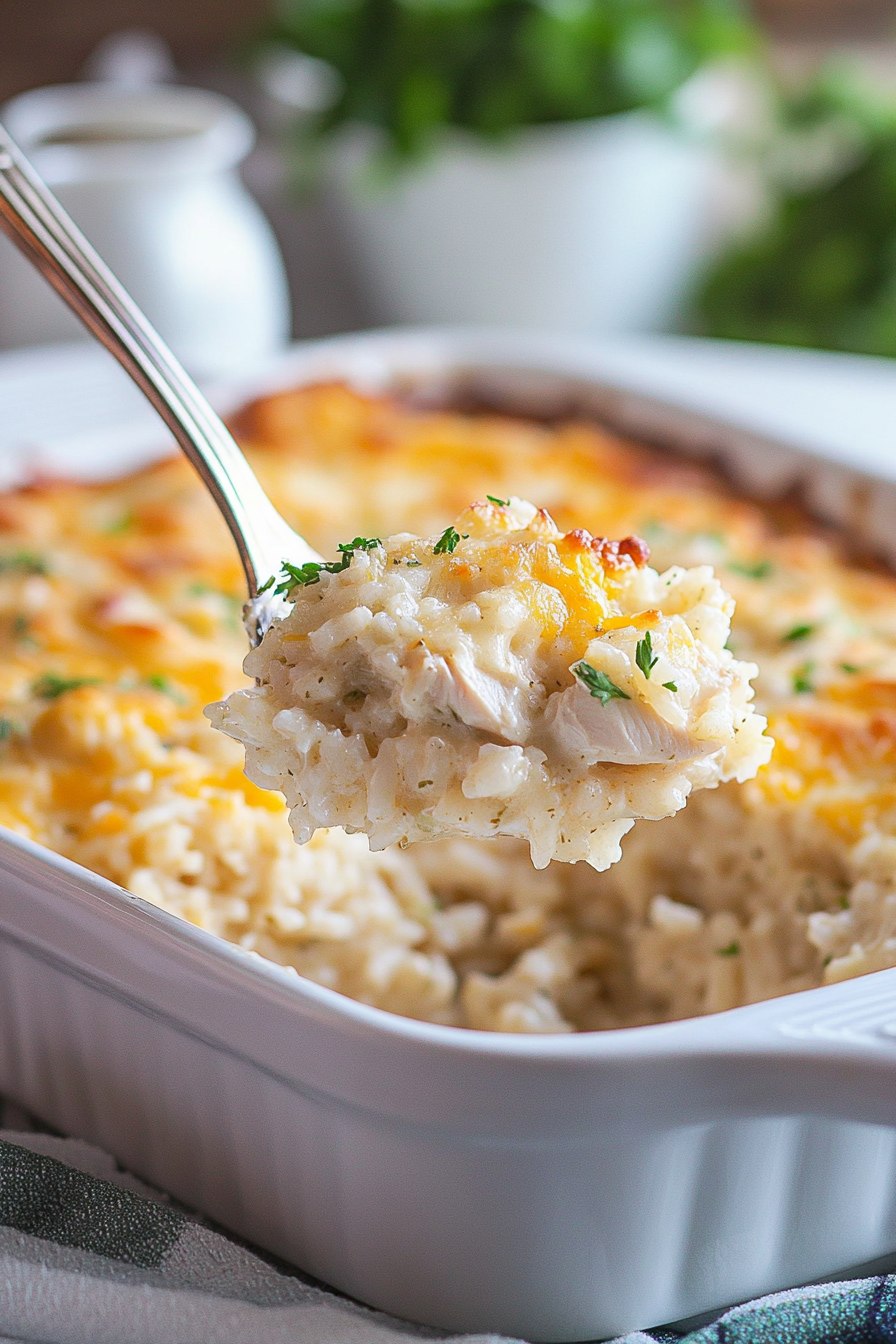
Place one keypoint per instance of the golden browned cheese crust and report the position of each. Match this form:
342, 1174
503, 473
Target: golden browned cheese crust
119, 618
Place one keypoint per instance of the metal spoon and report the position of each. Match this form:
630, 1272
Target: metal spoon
35, 221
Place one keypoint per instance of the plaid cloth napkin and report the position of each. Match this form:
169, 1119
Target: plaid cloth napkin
90, 1255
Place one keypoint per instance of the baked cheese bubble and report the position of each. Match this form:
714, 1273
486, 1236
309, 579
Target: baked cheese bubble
502, 678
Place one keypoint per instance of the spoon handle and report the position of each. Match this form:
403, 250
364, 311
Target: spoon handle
32, 217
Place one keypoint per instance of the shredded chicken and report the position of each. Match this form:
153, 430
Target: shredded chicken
502, 679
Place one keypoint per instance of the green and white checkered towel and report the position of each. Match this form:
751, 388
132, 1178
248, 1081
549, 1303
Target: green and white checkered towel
89, 1255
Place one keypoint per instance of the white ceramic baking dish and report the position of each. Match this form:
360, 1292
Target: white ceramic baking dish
551, 1188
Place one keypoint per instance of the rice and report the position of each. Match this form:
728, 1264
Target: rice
501, 679
119, 620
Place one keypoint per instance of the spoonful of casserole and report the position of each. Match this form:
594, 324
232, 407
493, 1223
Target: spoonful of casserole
501, 678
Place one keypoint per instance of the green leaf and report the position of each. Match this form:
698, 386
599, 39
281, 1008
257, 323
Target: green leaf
757, 569
599, 684
670, 686
297, 576
501, 503
413, 68
23, 562
50, 686
447, 542
165, 686
300, 576
732, 950
644, 655
802, 679
822, 271
797, 633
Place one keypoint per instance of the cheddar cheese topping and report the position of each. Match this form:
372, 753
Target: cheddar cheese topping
501, 678
120, 618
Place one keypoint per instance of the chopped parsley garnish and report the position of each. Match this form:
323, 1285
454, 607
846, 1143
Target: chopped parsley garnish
644, 655
165, 686
802, 679
268, 584
23, 562
756, 569
732, 950
599, 684
300, 576
358, 544
447, 541
501, 503
8, 729
797, 633
297, 576
848, 667
50, 686
21, 630
670, 686
119, 526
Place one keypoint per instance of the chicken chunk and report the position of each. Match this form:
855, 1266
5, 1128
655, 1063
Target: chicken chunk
502, 679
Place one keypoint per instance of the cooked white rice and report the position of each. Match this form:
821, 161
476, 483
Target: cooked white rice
426, 688
119, 619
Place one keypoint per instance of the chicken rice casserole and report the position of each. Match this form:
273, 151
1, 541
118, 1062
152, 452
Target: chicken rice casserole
500, 679
120, 616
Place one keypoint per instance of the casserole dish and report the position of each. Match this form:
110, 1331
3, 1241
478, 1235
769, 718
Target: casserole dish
558, 1188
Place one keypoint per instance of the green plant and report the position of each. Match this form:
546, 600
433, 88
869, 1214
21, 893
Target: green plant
822, 270
412, 67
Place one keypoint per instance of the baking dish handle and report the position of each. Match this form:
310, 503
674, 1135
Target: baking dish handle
829, 1051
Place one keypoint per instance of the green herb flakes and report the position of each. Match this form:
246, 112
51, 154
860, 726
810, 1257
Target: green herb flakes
297, 576
756, 569
300, 576
501, 503
599, 684
732, 950
165, 686
447, 542
644, 655
21, 631
797, 633
802, 679
23, 562
120, 526
50, 686
670, 686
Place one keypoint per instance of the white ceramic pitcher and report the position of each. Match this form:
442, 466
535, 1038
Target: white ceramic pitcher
150, 176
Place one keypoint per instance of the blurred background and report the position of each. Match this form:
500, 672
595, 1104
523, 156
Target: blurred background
587, 166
